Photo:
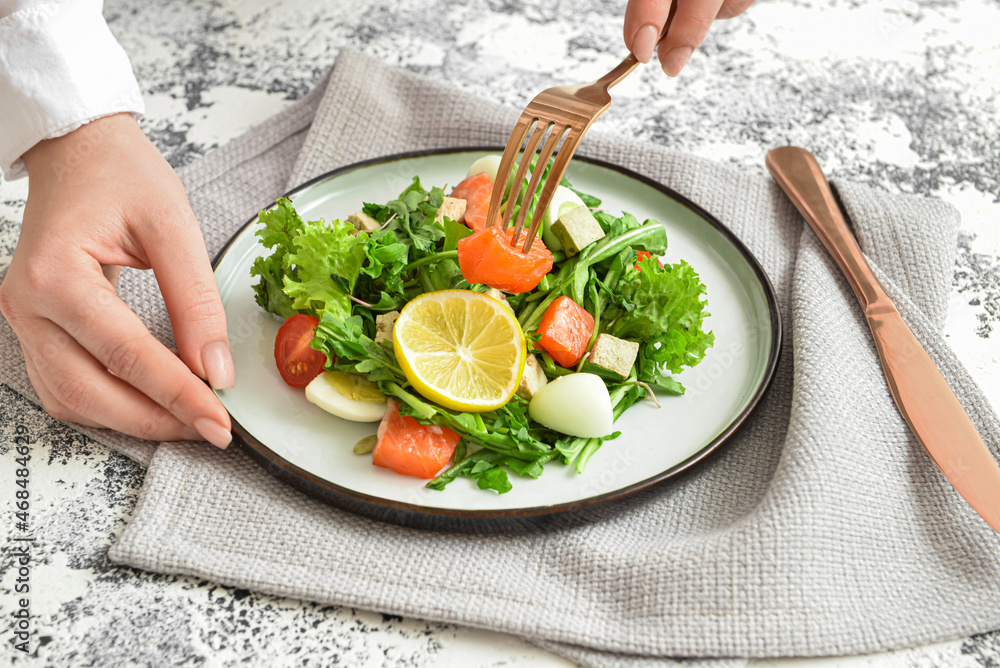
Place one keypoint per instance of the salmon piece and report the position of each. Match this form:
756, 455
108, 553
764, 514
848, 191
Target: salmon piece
410, 448
487, 257
565, 331
476, 190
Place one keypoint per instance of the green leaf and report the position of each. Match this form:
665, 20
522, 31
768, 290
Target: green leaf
276, 230
667, 316
453, 232
279, 224
328, 259
269, 291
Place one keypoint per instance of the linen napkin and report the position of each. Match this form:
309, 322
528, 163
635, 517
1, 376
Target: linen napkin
822, 528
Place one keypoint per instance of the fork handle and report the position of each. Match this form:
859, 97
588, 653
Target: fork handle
620, 72
626, 66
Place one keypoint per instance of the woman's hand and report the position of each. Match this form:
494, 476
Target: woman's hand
644, 20
99, 198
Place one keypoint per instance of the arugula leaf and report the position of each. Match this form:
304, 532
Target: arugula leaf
488, 469
490, 476
411, 218
345, 342
453, 232
614, 227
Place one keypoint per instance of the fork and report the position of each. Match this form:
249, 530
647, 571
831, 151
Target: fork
559, 113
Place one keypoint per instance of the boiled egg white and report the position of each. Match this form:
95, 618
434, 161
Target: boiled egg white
347, 395
577, 404
489, 164
563, 199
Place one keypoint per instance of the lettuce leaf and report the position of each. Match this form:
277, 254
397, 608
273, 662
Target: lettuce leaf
278, 226
328, 260
666, 313
315, 266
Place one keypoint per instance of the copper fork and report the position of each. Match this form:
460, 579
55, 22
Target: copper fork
560, 113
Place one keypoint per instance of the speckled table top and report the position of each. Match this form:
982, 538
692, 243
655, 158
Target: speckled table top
901, 94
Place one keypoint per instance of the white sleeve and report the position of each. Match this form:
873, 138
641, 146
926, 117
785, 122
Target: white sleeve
60, 67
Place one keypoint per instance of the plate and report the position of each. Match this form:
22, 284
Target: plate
312, 450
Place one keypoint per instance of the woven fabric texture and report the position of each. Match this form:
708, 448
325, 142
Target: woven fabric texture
822, 528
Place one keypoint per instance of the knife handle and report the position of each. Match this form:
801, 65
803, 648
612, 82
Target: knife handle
797, 172
921, 393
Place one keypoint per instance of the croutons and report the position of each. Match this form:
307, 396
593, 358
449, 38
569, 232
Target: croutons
576, 229
383, 326
499, 296
533, 379
362, 222
614, 354
451, 207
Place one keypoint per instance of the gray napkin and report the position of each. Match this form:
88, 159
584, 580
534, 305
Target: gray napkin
821, 529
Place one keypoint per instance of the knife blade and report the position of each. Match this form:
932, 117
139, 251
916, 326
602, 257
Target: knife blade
923, 396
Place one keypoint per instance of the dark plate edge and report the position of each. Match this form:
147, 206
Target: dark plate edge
507, 520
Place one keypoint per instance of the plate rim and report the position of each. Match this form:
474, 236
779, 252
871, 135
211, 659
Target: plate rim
442, 518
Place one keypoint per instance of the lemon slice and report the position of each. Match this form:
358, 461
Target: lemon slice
462, 349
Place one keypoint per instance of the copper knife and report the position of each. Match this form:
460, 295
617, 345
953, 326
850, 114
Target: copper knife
921, 393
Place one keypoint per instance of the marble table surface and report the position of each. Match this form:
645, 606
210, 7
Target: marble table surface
902, 94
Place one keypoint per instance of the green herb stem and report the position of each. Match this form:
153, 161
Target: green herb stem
430, 259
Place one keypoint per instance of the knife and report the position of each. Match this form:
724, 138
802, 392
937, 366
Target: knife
921, 393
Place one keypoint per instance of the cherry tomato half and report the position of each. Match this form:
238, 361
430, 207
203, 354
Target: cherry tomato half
297, 362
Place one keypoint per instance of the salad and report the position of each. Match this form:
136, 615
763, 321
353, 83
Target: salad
477, 359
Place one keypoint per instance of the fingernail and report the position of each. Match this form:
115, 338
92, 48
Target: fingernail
213, 432
675, 59
218, 364
644, 41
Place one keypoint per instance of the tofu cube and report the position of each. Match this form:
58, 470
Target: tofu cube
362, 222
499, 296
533, 379
452, 207
577, 229
383, 326
614, 354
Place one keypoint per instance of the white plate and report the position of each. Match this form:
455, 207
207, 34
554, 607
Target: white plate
312, 449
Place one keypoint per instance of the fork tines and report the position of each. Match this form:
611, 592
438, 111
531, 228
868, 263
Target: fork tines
552, 134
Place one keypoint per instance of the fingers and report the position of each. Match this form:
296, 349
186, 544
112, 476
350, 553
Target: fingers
107, 331
82, 221
53, 406
644, 19
179, 259
71, 384
733, 8
690, 25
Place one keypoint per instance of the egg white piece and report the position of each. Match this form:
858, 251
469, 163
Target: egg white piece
347, 396
563, 199
577, 404
489, 164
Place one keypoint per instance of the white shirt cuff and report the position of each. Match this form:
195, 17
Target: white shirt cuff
60, 67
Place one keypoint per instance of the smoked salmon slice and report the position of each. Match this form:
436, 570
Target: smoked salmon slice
476, 190
565, 331
487, 257
410, 448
